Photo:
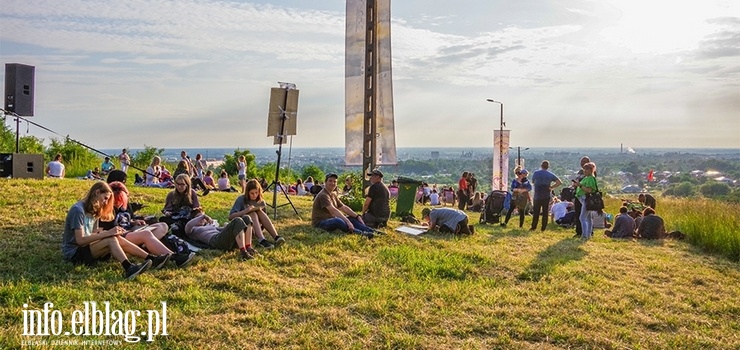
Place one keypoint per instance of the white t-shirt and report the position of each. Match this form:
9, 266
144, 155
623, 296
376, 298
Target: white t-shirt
242, 168
559, 210
434, 198
223, 183
56, 168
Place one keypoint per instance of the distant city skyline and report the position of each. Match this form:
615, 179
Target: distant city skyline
197, 74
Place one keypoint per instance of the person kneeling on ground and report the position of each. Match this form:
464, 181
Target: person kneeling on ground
624, 225
329, 213
653, 227
84, 243
237, 233
447, 220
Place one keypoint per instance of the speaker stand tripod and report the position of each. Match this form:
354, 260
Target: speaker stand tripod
276, 183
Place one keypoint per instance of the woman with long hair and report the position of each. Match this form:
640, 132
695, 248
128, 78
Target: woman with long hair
182, 197
252, 205
586, 185
137, 231
84, 242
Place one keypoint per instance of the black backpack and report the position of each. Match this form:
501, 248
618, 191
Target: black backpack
568, 194
175, 244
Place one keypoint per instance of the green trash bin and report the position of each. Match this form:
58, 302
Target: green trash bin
406, 196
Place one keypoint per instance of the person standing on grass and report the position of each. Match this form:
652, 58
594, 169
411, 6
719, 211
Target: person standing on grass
585, 186
329, 213
576, 202
124, 159
462, 191
544, 182
253, 206
55, 168
242, 168
447, 220
520, 188
83, 242
237, 233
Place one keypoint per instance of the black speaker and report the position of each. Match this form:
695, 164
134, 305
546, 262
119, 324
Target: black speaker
6, 165
19, 88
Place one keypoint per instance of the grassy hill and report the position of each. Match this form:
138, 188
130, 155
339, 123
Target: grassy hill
500, 288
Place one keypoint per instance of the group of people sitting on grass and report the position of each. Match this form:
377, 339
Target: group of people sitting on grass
104, 224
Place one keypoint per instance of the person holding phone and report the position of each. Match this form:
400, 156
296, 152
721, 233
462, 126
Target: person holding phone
83, 242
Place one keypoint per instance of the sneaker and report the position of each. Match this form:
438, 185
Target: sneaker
206, 192
368, 234
265, 244
252, 252
244, 255
503, 224
134, 270
159, 261
183, 260
471, 228
279, 241
532, 228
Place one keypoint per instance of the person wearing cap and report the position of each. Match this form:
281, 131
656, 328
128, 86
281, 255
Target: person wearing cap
376, 210
447, 220
329, 213
520, 188
107, 166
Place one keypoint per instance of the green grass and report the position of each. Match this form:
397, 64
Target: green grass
500, 288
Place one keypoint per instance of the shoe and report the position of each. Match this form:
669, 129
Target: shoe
134, 270
368, 234
532, 228
206, 192
159, 261
252, 252
244, 255
265, 244
471, 228
183, 260
503, 224
279, 241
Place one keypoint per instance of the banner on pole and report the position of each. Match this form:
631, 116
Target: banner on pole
500, 177
354, 90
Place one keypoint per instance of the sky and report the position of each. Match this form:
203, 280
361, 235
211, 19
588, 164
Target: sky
192, 74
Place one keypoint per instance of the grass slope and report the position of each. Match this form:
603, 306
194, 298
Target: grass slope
500, 288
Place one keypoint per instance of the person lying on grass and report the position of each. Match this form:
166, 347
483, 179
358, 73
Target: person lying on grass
137, 230
83, 242
253, 206
237, 233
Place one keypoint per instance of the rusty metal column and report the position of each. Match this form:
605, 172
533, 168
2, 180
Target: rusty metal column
369, 142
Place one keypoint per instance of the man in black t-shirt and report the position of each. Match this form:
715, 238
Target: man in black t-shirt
376, 209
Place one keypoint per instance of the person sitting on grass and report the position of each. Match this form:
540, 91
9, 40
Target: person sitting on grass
253, 206
83, 242
653, 227
447, 220
224, 184
237, 233
106, 166
624, 225
208, 180
329, 213
137, 231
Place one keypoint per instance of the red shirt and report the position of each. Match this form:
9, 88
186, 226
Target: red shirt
463, 184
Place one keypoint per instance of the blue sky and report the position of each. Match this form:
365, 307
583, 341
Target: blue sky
191, 73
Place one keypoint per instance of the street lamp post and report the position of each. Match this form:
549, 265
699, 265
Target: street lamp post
500, 144
519, 155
